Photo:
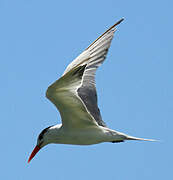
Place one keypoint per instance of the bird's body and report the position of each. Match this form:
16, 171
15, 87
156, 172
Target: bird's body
83, 136
74, 95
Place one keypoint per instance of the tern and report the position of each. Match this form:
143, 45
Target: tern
75, 96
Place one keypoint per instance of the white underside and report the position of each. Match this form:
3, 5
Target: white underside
86, 136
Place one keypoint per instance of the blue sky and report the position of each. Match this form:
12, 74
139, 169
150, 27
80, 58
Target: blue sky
39, 38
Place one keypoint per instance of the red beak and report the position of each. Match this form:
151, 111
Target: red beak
34, 152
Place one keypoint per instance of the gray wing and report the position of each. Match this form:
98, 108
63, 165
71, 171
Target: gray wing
63, 94
93, 57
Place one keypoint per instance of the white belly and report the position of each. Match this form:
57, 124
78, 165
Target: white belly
83, 136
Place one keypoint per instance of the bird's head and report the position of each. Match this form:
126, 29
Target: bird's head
43, 139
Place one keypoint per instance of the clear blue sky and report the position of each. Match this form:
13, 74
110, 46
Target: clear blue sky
39, 38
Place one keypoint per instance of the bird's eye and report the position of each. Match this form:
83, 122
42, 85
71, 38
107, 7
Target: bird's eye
40, 137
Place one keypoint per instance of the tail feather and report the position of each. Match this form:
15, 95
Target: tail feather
138, 139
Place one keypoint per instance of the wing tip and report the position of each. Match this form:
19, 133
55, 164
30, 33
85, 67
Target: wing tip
117, 23
122, 19
111, 28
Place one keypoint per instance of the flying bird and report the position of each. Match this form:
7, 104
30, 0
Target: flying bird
75, 96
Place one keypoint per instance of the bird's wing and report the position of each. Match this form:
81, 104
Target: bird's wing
74, 94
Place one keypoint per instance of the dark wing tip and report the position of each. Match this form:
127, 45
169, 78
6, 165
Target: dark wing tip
117, 23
